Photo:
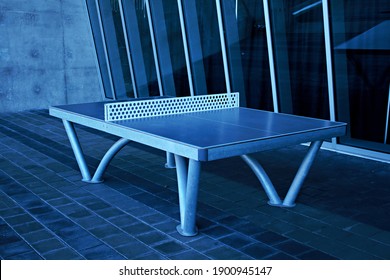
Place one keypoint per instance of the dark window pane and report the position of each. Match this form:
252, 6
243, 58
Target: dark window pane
248, 54
120, 41
361, 39
169, 41
210, 44
147, 48
98, 40
111, 50
298, 34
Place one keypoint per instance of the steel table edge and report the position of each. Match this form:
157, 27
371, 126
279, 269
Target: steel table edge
237, 149
137, 136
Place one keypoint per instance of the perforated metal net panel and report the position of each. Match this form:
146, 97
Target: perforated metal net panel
169, 106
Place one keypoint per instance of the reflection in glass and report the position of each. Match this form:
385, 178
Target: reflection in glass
170, 47
147, 49
210, 44
247, 49
99, 47
112, 31
361, 42
300, 59
120, 41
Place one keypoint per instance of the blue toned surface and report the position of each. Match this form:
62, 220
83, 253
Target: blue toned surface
225, 127
376, 38
208, 135
336, 225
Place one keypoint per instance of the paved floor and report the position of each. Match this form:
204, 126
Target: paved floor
46, 212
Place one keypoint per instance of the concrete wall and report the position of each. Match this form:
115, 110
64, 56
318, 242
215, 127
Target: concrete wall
47, 55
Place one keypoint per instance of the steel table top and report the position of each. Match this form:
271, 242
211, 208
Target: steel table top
210, 135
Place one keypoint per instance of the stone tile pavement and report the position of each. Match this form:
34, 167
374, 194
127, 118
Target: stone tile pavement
47, 212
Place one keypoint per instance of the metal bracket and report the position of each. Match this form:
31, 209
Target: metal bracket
188, 173
289, 200
170, 164
105, 161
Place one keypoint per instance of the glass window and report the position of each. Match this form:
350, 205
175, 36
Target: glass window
246, 41
120, 44
169, 42
361, 44
204, 46
100, 50
300, 60
140, 47
115, 48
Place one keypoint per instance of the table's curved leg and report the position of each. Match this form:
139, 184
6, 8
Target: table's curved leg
289, 200
78, 152
265, 181
118, 145
188, 184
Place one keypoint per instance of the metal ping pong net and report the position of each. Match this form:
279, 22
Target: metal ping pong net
128, 110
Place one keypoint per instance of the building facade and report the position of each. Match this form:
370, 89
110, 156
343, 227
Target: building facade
326, 59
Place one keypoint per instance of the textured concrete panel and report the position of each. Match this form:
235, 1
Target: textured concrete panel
32, 5
78, 44
82, 85
23, 88
47, 55
32, 40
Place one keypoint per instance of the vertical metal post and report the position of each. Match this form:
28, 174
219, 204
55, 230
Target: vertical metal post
329, 61
156, 61
170, 160
128, 50
181, 172
92, 13
236, 10
336, 12
196, 56
271, 57
223, 46
289, 200
78, 152
188, 184
387, 116
105, 49
163, 46
233, 49
113, 52
189, 226
134, 41
185, 45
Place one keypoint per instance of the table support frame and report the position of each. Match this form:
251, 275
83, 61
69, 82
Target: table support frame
105, 161
274, 198
188, 175
79, 155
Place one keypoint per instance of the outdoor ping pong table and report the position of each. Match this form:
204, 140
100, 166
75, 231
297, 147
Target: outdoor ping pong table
195, 133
